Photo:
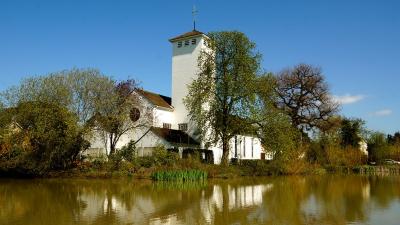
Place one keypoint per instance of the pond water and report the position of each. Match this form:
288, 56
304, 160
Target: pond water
281, 200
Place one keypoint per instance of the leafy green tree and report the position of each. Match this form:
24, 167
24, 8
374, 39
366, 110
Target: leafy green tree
82, 91
220, 99
274, 127
351, 132
394, 139
42, 137
378, 148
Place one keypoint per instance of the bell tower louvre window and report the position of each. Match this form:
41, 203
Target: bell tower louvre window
167, 125
183, 126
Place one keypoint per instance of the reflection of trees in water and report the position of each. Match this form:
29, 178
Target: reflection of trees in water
283, 200
384, 190
34, 202
326, 199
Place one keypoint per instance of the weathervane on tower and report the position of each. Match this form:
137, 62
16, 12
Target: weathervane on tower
194, 12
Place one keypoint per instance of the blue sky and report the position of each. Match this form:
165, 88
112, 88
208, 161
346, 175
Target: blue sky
356, 42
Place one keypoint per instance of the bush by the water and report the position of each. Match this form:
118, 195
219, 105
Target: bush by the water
38, 137
381, 148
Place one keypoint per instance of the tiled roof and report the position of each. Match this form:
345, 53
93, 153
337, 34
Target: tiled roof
174, 136
185, 35
157, 99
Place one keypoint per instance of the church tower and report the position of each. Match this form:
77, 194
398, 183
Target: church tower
186, 50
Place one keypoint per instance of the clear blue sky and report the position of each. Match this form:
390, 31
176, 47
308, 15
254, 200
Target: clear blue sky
356, 42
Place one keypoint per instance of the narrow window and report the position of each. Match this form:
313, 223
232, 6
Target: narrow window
193, 41
236, 147
167, 125
186, 42
183, 126
244, 147
252, 148
179, 44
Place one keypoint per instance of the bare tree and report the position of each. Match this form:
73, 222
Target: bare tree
125, 113
304, 95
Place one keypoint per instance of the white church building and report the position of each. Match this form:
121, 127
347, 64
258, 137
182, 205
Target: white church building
171, 126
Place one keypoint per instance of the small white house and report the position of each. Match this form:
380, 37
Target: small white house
171, 126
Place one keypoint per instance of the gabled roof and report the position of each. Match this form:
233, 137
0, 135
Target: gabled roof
186, 35
157, 99
175, 137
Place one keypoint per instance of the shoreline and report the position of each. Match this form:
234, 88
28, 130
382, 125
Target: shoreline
221, 173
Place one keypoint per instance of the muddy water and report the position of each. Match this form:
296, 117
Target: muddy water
282, 200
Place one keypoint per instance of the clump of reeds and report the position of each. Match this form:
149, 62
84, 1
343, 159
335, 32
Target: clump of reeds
179, 175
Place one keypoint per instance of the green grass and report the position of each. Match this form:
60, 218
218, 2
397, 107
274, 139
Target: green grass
179, 175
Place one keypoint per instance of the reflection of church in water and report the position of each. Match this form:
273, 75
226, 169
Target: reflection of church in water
213, 200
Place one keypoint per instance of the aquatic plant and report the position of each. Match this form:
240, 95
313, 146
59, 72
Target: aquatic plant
179, 175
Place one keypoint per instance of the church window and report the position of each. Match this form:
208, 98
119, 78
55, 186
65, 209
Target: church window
183, 126
134, 114
236, 147
179, 44
193, 41
186, 42
167, 125
252, 147
244, 147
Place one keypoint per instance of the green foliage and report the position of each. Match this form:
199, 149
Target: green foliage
274, 127
82, 91
160, 157
41, 137
220, 99
347, 156
394, 139
339, 145
351, 132
128, 151
179, 175
278, 136
381, 148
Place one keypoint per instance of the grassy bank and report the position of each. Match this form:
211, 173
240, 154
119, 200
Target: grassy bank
187, 170
167, 166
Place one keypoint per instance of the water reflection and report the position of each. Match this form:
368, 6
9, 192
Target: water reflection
283, 200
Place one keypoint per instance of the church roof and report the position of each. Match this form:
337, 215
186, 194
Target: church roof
186, 35
157, 99
174, 136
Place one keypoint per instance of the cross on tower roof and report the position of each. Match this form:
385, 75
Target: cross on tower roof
194, 12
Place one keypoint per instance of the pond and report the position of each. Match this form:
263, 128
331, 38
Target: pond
325, 199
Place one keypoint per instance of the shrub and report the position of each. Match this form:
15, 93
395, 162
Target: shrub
127, 152
348, 156
43, 137
160, 157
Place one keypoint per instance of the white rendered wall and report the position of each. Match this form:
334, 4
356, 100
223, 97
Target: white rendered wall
252, 150
248, 147
184, 71
162, 116
100, 143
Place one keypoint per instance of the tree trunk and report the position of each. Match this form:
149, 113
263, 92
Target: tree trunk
112, 145
225, 152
